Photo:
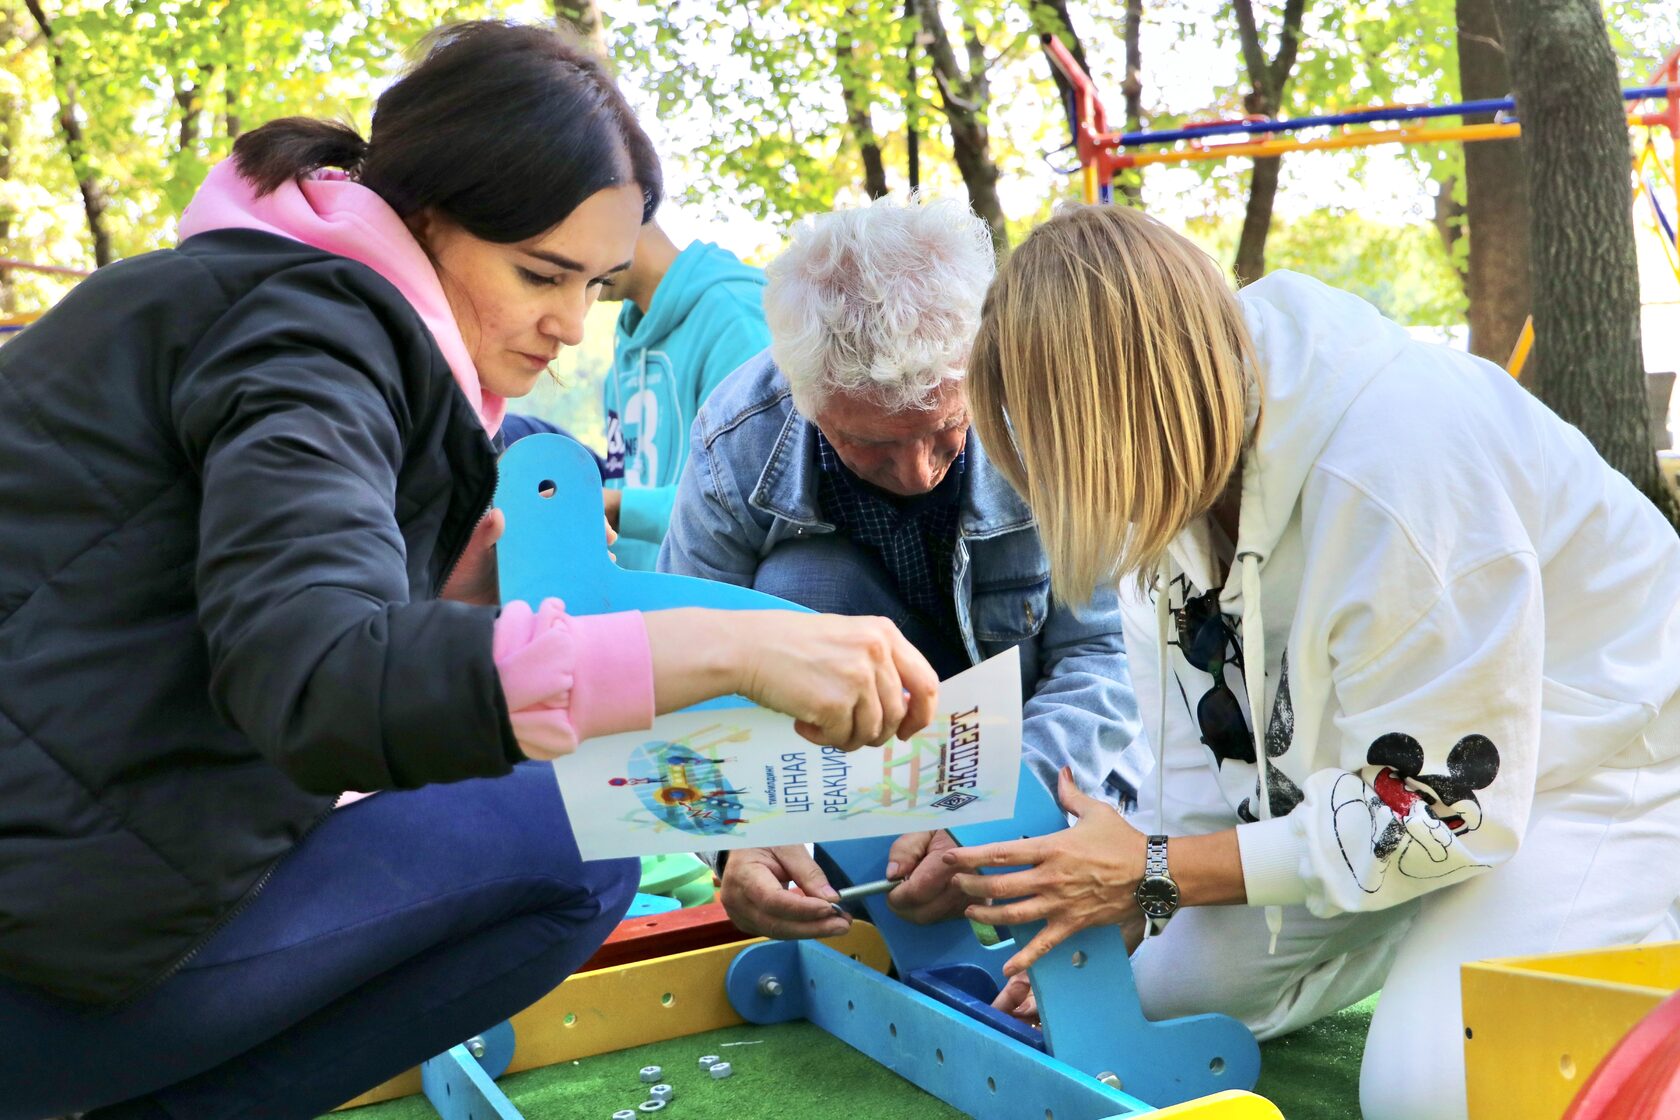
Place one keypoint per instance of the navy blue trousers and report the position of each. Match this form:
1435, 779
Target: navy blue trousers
402, 925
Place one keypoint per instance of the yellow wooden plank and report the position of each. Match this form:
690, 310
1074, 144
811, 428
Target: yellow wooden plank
1536, 1027
633, 1004
1229, 1105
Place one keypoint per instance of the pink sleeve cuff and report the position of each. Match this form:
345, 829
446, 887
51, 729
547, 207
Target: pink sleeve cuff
612, 679
567, 678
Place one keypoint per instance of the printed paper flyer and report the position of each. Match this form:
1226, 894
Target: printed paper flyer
740, 777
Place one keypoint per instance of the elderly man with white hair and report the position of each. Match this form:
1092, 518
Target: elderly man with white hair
837, 470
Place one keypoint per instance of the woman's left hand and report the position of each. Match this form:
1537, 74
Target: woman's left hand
474, 578
1084, 876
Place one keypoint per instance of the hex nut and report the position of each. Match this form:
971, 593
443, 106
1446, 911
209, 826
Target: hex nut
651, 1074
721, 1070
624, 1114
661, 1092
707, 1061
651, 1106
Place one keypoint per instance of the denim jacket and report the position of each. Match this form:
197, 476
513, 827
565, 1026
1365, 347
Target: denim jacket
751, 483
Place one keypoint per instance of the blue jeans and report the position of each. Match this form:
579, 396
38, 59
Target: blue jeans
402, 925
831, 574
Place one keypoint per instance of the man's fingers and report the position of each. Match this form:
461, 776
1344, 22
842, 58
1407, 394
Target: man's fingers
907, 852
1016, 999
805, 873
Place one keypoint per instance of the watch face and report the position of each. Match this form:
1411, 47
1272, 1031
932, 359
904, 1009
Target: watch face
1157, 897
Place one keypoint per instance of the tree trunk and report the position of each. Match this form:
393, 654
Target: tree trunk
1267, 80
964, 101
1257, 221
1131, 180
188, 99
93, 196
584, 17
1448, 219
912, 102
1496, 196
1587, 363
858, 118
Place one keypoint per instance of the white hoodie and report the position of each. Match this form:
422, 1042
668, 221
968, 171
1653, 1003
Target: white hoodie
1456, 602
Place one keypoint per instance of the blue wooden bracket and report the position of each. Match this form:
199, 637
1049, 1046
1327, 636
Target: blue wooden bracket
555, 544
644, 904
1166, 1062
462, 1086
987, 1075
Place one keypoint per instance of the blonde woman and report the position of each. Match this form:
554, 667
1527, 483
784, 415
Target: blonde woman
1459, 628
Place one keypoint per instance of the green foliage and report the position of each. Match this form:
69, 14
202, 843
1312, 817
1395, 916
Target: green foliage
1403, 270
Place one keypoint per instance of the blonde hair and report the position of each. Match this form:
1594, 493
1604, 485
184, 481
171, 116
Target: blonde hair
1107, 384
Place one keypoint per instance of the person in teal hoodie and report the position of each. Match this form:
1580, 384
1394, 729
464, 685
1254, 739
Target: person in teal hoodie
690, 318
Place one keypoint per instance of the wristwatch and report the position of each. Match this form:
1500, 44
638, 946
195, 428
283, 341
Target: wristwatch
1156, 894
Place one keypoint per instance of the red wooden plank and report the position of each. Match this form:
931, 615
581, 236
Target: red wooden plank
662, 935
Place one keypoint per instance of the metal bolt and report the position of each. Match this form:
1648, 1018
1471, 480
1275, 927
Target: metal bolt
721, 1070
769, 986
475, 1046
707, 1061
1112, 1080
661, 1092
651, 1074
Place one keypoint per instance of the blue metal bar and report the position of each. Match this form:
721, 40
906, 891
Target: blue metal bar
1656, 208
980, 1072
461, 1086
1365, 116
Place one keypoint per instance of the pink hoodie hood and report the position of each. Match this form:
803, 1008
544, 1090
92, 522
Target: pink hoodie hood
333, 214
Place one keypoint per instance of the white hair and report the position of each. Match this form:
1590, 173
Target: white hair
882, 301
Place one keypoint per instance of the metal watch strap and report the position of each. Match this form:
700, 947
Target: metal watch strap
1155, 864
1155, 856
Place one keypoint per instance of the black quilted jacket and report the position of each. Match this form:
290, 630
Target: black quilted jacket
233, 476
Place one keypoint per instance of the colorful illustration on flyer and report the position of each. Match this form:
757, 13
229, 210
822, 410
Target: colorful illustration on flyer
683, 783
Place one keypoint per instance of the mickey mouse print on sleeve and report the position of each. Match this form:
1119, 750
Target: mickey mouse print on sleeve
1424, 775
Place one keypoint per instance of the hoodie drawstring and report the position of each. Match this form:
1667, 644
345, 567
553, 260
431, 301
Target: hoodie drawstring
1162, 590
1254, 676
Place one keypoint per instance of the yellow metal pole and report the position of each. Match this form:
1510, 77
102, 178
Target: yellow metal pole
1519, 352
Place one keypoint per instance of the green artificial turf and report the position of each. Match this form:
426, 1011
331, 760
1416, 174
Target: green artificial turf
799, 1070
1313, 1074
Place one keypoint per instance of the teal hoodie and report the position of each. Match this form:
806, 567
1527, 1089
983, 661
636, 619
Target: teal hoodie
706, 318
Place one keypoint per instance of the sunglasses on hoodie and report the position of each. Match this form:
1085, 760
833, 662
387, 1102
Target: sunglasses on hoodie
1208, 641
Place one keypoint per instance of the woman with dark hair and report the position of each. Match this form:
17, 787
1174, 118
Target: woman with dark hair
245, 568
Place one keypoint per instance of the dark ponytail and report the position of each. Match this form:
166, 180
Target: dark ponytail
293, 147
502, 128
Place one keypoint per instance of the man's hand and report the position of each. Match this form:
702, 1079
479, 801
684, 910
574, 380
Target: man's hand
612, 500
927, 894
758, 900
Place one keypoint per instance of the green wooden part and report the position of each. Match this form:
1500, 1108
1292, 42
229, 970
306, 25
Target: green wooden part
664, 874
